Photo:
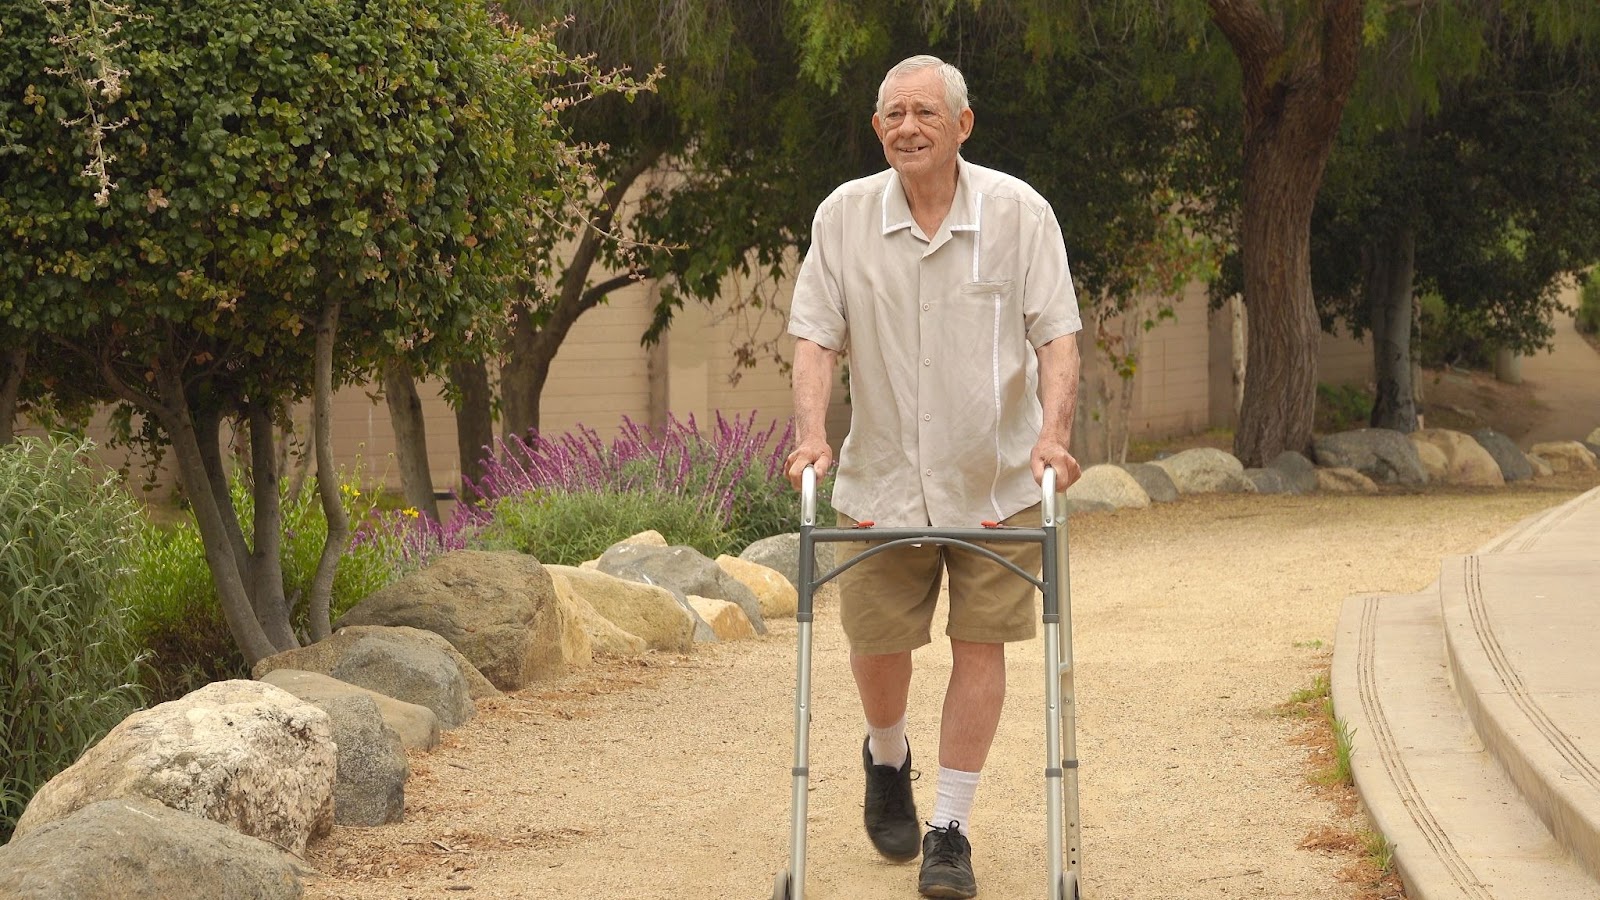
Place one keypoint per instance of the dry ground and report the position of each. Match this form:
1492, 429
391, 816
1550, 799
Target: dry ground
669, 777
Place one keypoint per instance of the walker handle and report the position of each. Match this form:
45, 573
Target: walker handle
1047, 505
808, 496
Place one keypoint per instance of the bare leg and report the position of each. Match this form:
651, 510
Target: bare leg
884, 682
971, 704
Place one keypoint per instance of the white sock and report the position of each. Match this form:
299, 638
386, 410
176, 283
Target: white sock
888, 745
953, 800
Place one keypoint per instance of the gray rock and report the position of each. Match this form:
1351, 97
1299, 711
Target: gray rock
414, 673
135, 848
1267, 481
782, 553
1156, 482
370, 787
1299, 474
499, 609
1507, 455
417, 726
1205, 470
1385, 456
1111, 485
245, 754
683, 570
325, 655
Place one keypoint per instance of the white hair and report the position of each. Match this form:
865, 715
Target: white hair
955, 85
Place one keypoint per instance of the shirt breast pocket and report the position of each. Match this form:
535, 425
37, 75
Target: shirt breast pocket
986, 289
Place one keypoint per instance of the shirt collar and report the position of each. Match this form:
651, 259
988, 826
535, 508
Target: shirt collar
966, 208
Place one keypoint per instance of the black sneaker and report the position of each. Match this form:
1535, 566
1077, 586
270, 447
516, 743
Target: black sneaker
947, 864
890, 812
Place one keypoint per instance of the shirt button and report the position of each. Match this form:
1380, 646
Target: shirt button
927, 418
927, 306
927, 362
928, 473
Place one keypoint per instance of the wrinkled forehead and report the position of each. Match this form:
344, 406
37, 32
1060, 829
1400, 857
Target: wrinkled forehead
923, 87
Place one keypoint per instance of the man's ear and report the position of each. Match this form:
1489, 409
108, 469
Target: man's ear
877, 126
964, 125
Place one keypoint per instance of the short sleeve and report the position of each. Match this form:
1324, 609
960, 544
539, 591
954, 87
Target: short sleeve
1049, 301
817, 312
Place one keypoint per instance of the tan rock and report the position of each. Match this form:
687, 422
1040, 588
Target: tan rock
605, 638
774, 593
650, 538
1434, 462
1541, 468
1567, 456
1344, 481
1593, 438
1466, 460
726, 619
651, 612
592, 565
241, 753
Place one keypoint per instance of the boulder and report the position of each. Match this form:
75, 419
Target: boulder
1156, 482
1071, 506
1541, 468
1267, 481
245, 754
1433, 460
498, 609
603, 636
416, 726
1109, 484
1513, 463
781, 553
370, 785
1344, 481
683, 570
1385, 456
1299, 474
1593, 438
1205, 470
726, 619
1566, 456
650, 612
134, 848
774, 594
324, 654
1466, 461
651, 538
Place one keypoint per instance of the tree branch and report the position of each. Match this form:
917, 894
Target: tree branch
16, 364
319, 619
1256, 41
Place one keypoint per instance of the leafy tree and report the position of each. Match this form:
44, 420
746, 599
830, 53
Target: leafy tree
1489, 202
300, 189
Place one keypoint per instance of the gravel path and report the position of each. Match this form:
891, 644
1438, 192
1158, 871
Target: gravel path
1194, 620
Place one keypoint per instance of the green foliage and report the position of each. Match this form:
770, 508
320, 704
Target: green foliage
68, 663
1450, 335
1341, 408
567, 528
1588, 315
175, 609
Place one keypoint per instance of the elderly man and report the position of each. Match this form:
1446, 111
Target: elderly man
950, 281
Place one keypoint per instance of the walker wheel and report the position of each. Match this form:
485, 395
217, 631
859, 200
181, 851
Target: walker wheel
780, 887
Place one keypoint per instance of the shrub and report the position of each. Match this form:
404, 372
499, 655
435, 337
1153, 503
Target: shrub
716, 492
1447, 336
1588, 318
1341, 408
68, 664
179, 617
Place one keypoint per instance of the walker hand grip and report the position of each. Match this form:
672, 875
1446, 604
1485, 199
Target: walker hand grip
1047, 504
808, 496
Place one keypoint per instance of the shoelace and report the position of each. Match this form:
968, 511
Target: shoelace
947, 846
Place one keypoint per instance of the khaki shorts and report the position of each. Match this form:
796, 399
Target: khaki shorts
886, 603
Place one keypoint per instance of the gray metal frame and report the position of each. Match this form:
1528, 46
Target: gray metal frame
1061, 757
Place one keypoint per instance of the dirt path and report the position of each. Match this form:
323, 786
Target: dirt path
1194, 620
1564, 380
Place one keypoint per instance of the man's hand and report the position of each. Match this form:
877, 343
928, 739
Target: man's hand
809, 454
1053, 453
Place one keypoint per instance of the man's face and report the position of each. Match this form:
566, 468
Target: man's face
920, 135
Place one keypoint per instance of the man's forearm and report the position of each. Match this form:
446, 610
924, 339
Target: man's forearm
1058, 387
813, 388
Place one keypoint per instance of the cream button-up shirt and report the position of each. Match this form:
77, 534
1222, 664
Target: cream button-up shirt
941, 332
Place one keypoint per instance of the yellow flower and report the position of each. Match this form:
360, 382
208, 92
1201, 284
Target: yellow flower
410, 513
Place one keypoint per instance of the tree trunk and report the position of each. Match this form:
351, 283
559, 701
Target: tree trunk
1389, 276
266, 562
474, 423
173, 413
12, 367
208, 434
410, 438
536, 339
1295, 88
318, 616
